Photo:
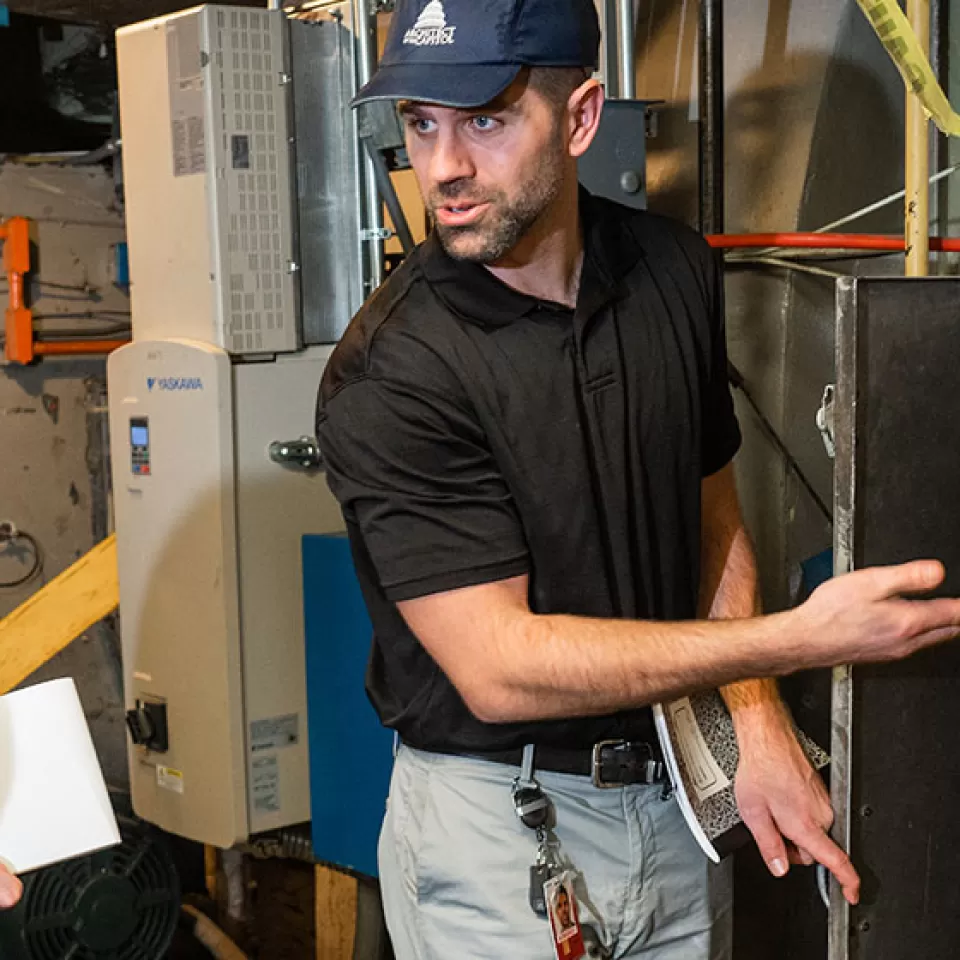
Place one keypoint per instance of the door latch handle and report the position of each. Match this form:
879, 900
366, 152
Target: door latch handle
304, 452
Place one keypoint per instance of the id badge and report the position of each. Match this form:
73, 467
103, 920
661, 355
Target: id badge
564, 922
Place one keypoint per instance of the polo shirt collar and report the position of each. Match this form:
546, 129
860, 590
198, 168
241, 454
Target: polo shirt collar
475, 294
470, 290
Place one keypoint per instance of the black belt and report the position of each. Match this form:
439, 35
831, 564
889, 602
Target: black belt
609, 764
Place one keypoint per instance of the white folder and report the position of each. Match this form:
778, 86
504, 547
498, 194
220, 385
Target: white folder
53, 800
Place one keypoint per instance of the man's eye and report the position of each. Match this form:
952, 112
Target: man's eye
420, 124
484, 124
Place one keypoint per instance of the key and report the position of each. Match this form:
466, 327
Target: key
532, 806
540, 873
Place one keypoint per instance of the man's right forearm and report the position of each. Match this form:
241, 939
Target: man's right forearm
562, 666
510, 664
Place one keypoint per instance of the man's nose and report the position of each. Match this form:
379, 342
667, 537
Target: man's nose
451, 160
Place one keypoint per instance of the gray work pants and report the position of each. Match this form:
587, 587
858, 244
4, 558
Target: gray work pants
455, 867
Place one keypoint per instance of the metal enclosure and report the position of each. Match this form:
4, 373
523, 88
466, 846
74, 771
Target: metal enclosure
209, 526
896, 769
615, 166
330, 182
175, 509
208, 169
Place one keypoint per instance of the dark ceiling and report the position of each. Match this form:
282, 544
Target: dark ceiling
112, 14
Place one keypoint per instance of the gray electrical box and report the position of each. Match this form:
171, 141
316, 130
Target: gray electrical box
615, 166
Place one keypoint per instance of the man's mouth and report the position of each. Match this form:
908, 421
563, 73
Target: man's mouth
460, 214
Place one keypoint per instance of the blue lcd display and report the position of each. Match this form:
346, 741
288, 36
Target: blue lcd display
139, 436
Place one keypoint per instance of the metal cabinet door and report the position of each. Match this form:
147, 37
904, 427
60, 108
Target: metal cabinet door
896, 776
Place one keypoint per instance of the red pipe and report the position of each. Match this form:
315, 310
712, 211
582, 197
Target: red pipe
825, 241
72, 348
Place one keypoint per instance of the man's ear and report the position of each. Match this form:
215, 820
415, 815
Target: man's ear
583, 115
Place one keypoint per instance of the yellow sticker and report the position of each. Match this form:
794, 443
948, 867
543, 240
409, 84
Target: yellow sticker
892, 27
170, 779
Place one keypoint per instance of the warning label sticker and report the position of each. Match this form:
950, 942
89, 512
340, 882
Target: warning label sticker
185, 68
265, 784
274, 733
170, 779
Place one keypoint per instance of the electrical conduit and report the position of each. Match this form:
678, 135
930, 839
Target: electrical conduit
826, 241
917, 158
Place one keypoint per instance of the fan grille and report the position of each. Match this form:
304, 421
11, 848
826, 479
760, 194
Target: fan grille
71, 910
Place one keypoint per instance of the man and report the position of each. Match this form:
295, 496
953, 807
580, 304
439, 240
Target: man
530, 431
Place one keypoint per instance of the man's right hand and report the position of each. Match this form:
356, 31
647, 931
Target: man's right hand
11, 889
863, 617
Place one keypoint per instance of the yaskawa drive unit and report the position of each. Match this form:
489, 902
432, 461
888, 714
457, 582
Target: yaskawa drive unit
223, 367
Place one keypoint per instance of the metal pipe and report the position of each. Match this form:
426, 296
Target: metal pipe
627, 29
939, 146
917, 159
389, 194
711, 97
610, 64
76, 348
825, 241
364, 22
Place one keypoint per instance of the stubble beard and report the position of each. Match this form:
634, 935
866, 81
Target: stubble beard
506, 222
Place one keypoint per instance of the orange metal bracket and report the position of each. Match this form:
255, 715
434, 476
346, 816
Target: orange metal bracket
19, 344
18, 328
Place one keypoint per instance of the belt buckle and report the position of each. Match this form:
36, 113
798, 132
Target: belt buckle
653, 768
596, 768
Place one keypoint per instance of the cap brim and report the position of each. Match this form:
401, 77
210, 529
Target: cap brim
448, 85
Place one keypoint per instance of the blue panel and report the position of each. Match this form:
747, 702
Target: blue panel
816, 571
351, 754
121, 265
4, 15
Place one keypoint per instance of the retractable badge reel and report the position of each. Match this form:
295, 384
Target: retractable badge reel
551, 892
533, 810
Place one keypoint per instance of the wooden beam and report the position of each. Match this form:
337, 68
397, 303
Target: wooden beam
336, 914
56, 615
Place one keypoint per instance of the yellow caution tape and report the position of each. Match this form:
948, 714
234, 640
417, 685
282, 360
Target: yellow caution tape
895, 33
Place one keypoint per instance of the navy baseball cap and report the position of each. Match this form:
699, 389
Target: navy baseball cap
463, 53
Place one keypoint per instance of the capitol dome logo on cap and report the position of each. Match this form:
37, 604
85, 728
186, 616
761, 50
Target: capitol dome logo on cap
465, 53
431, 27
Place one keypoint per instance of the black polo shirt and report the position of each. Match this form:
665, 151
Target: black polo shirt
472, 433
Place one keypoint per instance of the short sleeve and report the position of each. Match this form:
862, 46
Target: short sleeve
721, 431
415, 478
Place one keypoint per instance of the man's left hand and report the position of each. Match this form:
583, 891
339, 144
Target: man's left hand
784, 803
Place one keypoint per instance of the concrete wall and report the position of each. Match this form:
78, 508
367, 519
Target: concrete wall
53, 476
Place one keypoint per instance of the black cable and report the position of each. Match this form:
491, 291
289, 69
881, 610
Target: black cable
738, 382
35, 567
61, 286
103, 330
814, 256
85, 315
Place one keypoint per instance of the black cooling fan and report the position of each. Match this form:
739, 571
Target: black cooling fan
119, 904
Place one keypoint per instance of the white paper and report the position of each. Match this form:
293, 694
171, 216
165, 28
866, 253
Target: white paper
53, 801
